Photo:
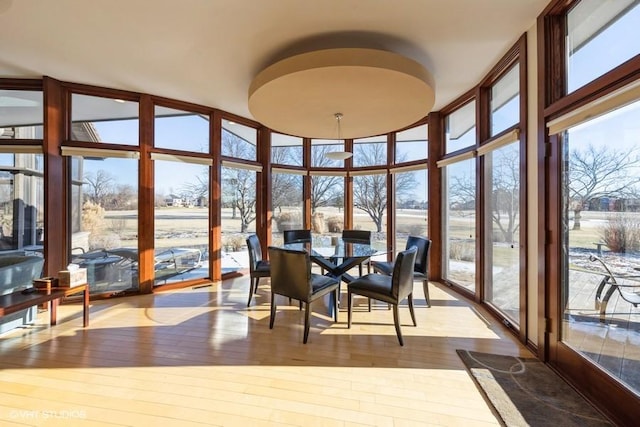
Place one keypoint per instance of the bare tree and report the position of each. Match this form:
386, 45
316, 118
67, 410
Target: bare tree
370, 195
596, 172
286, 189
239, 192
504, 173
505, 203
370, 191
101, 186
123, 196
197, 189
326, 190
239, 185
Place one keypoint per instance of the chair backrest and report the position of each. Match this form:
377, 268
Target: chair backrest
402, 276
356, 236
296, 236
422, 257
255, 252
290, 273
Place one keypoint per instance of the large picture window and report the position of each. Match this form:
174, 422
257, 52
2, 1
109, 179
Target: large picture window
459, 217
502, 229
411, 214
370, 206
327, 204
104, 235
287, 201
181, 220
238, 213
602, 229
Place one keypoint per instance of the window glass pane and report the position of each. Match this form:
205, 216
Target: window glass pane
319, 150
502, 248
238, 216
286, 150
370, 151
327, 205
181, 221
602, 34
411, 206
505, 101
412, 144
370, 207
22, 204
21, 114
181, 130
460, 222
461, 128
104, 229
239, 141
601, 218
104, 120
288, 204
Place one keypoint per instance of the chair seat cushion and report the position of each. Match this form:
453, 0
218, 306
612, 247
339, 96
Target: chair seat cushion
383, 267
320, 282
263, 266
374, 285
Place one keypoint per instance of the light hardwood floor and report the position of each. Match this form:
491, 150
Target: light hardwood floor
197, 357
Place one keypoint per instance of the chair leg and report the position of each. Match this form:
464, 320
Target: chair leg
251, 289
413, 315
425, 286
273, 310
350, 297
307, 320
369, 302
396, 320
334, 295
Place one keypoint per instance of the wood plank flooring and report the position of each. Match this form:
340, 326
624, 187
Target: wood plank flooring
196, 357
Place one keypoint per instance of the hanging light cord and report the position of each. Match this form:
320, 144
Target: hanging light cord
338, 117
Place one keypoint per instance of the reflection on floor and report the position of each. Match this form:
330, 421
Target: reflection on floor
200, 356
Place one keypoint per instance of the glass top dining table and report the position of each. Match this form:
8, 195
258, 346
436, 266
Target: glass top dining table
337, 257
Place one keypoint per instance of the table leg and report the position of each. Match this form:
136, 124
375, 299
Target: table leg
54, 312
85, 307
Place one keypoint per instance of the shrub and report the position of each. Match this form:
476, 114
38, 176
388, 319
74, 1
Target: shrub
462, 251
621, 233
335, 224
317, 223
288, 221
234, 243
412, 229
92, 216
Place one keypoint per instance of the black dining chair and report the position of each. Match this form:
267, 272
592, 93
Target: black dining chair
390, 289
296, 236
420, 268
258, 267
291, 277
358, 236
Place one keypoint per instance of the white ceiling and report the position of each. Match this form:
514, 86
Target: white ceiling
208, 51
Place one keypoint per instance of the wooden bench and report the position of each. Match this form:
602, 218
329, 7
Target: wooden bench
17, 301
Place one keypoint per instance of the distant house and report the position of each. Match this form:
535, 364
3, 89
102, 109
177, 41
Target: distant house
173, 200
